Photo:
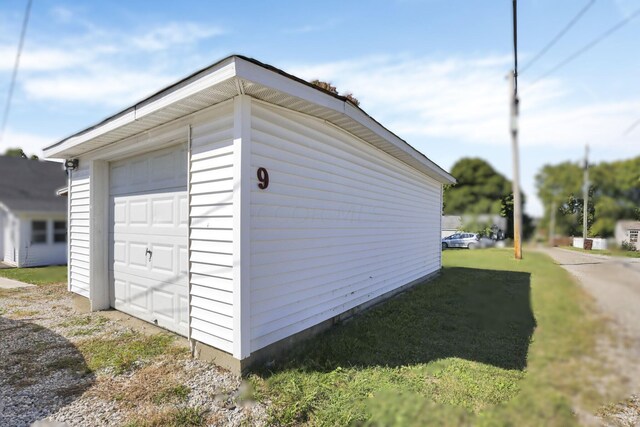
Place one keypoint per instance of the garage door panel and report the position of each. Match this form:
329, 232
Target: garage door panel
148, 231
157, 302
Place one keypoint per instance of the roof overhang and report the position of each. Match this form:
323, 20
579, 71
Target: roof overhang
233, 76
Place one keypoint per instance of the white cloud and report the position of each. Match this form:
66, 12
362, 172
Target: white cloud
467, 100
174, 33
311, 28
99, 66
99, 86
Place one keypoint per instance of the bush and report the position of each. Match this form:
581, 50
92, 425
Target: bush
626, 246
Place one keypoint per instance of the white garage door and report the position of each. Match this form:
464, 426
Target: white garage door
148, 260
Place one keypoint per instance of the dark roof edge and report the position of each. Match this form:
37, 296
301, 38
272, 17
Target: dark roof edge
200, 73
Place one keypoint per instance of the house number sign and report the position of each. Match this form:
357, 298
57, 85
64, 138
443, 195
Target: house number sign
263, 177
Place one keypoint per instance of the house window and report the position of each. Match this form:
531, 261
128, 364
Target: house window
59, 231
38, 231
633, 236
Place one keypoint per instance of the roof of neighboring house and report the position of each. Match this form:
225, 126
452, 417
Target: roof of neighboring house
629, 225
238, 75
30, 185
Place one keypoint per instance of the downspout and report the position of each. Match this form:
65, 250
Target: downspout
192, 344
69, 179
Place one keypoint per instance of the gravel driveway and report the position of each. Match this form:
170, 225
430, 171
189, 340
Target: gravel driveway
614, 283
47, 353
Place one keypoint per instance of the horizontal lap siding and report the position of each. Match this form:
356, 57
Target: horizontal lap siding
79, 230
211, 233
340, 224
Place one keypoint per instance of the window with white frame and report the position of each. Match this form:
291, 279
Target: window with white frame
633, 236
38, 232
59, 231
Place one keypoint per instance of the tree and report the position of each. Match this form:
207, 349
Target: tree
614, 195
575, 206
506, 211
331, 88
17, 152
479, 190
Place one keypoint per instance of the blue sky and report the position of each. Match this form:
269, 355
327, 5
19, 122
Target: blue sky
432, 71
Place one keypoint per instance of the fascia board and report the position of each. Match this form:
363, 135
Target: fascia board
254, 73
218, 76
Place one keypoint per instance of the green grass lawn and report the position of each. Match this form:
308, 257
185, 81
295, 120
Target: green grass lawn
37, 275
492, 341
609, 252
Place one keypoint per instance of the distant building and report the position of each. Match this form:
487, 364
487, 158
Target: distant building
627, 231
33, 218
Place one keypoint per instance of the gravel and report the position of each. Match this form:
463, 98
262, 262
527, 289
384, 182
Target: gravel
44, 378
614, 283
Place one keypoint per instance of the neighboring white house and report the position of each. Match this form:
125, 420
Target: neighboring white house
243, 207
628, 231
33, 219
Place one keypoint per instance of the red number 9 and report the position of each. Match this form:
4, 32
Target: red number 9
263, 177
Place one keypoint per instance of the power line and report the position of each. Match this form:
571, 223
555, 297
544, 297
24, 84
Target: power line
588, 46
631, 128
12, 85
558, 36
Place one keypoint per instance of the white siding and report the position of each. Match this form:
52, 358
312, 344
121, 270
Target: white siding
211, 235
10, 237
340, 223
45, 253
78, 225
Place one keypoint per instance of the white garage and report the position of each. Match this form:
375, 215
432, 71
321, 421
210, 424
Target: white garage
245, 208
148, 235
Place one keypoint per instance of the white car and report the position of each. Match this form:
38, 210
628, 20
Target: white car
461, 240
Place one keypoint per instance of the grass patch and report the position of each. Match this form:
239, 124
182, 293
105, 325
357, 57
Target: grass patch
84, 325
73, 363
174, 394
461, 349
37, 275
122, 353
24, 313
608, 252
175, 417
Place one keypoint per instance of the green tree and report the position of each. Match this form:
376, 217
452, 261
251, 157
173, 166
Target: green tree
17, 152
614, 195
506, 211
479, 190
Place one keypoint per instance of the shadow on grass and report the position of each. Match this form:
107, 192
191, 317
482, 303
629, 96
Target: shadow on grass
40, 372
474, 314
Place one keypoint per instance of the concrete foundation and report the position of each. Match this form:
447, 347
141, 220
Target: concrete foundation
273, 351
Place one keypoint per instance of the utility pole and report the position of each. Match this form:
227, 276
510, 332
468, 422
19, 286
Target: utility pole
513, 79
552, 223
517, 205
585, 195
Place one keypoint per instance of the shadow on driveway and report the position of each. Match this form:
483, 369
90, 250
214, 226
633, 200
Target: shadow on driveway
40, 372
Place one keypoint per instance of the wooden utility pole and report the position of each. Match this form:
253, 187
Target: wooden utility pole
585, 196
552, 223
515, 183
517, 204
